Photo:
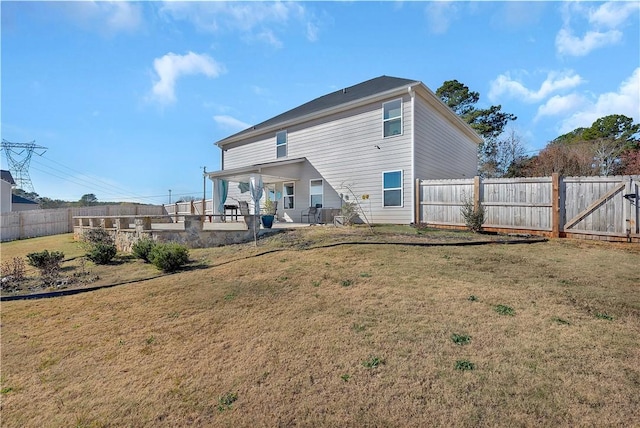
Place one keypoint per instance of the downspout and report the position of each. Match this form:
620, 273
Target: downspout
412, 94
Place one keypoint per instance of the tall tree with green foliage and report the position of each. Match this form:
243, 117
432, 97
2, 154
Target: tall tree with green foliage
88, 199
610, 140
488, 123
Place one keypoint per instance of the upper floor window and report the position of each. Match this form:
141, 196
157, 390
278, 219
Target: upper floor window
281, 144
392, 118
392, 188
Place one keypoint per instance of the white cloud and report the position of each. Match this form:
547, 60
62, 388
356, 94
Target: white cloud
268, 37
613, 14
625, 101
560, 104
105, 16
171, 67
555, 81
568, 44
258, 20
440, 14
230, 123
604, 24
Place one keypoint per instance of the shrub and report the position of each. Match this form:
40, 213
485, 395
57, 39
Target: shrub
142, 248
169, 257
349, 211
101, 253
98, 235
48, 263
473, 216
14, 268
12, 272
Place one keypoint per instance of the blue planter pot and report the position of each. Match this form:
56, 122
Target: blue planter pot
267, 221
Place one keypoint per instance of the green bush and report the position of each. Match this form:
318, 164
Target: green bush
101, 253
142, 248
48, 263
169, 257
45, 259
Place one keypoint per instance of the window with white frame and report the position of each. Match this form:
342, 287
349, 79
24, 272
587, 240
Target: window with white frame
392, 188
392, 118
281, 144
288, 195
315, 193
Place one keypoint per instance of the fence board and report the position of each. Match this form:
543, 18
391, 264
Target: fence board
593, 205
31, 224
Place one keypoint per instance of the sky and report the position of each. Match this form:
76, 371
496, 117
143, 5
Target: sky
129, 98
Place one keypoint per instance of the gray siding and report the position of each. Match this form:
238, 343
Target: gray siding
341, 150
442, 151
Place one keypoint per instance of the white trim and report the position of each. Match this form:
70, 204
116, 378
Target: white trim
394, 118
412, 185
401, 188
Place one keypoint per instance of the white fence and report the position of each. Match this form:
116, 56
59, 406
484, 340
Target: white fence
31, 224
588, 207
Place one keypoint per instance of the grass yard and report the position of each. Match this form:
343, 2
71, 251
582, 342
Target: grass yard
354, 335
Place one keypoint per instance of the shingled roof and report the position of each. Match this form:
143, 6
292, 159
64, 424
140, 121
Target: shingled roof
334, 99
6, 176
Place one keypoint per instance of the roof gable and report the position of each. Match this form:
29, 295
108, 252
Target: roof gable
6, 176
334, 99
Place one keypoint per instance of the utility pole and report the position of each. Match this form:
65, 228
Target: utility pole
204, 190
169, 196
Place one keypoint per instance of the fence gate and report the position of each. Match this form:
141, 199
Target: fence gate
602, 206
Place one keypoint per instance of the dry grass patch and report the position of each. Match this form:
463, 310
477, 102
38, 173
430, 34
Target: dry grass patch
279, 340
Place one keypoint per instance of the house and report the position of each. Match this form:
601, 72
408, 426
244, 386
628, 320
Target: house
6, 185
18, 203
368, 142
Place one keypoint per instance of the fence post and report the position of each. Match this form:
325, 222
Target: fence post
477, 194
555, 205
416, 204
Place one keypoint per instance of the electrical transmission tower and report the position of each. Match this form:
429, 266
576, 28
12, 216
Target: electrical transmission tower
18, 159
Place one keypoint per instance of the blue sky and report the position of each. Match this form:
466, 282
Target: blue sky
130, 98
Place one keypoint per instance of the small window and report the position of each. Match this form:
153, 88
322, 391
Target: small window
392, 188
315, 193
392, 118
281, 144
288, 196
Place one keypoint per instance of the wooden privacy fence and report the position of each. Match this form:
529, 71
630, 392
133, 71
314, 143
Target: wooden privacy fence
605, 208
178, 210
34, 223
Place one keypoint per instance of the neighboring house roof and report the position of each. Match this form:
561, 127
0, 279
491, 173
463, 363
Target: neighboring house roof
6, 176
17, 199
346, 98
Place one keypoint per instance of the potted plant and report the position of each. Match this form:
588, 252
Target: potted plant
269, 213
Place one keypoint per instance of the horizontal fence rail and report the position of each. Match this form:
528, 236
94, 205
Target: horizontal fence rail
587, 207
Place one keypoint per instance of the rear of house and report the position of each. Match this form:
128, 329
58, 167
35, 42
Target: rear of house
366, 143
